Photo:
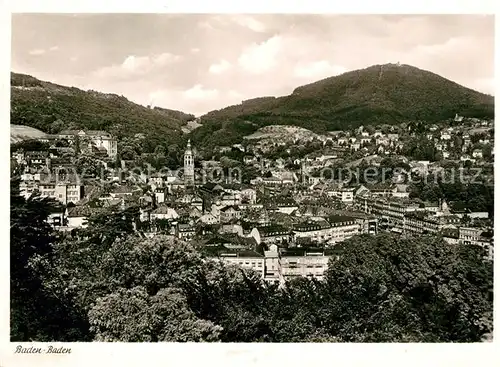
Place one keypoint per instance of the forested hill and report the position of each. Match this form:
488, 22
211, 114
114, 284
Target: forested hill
51, 108
379, 94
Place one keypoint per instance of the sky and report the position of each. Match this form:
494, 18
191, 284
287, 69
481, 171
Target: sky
198, 63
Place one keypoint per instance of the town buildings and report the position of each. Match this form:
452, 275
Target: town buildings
286, 219
96, 138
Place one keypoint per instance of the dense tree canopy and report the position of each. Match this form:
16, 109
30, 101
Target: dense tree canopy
409, 290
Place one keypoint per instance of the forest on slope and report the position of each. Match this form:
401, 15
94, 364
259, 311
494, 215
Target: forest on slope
51, 108
379, 94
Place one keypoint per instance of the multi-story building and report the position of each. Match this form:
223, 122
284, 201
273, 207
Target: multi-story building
156, 181
272, 270
64, 192
305, 262
208, 218
390, 212
100, 139
249, 195
37, 160
185, 231
469, 234
477, 153
270, 234
246, 259
334, 230
316, 230
420, 223
160, 195
229, 213
367, 223
342, 228
278, 265
163, 212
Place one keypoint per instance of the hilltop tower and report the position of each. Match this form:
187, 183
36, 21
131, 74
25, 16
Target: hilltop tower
188, 165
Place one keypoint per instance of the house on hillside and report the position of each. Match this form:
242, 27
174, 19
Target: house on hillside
164, 212
123, 191
230, 212
270, 234
77, 216
477, 153
208, 218
185, 231
401, 191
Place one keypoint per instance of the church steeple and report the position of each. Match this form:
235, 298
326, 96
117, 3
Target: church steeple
188, 165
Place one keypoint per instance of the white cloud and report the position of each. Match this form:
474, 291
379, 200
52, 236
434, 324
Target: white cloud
205, 25
195, 50
220, 67
226, 20
37, 52
165, 58
73, 58
249, 22
54, 48
259, 58
196, 100
318, 69
199, 92
136, 65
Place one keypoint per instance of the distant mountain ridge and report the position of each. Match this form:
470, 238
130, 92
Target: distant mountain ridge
51, 108
379, 94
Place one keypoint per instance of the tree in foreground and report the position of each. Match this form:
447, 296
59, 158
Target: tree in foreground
422, 289
37, 314
133, 315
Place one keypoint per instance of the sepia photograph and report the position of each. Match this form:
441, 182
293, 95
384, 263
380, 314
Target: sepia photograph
251, 178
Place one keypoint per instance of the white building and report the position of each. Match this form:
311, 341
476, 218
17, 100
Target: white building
249, 195
101, 139
208, 219
65, 192
164, 212
246, 259
477, 153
